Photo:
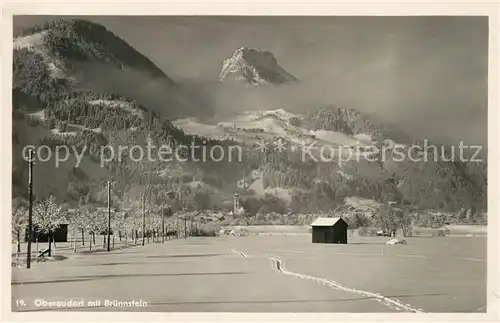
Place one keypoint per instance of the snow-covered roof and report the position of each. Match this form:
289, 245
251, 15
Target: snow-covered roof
324, 222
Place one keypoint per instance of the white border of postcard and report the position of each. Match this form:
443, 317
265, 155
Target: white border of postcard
401, 8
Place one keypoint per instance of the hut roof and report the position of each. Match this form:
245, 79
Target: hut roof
325, 222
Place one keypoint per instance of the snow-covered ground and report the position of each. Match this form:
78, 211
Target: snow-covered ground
363, 137
271, 125
193, 127
30, 41
335, 137
39, 114
345, 175
362, 203
36, 43
73, 129
283, 193
126, 105
56, 131
239, 274
282, 114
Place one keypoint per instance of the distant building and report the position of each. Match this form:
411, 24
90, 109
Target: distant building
329, 230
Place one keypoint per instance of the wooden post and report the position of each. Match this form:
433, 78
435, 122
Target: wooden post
143, 217
163, 226
30, 207
109, 214
177, 226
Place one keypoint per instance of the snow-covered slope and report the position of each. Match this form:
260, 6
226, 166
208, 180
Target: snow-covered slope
65, 55
271, 126
360, 203
44, 175
122, 104
37, 44
193, 127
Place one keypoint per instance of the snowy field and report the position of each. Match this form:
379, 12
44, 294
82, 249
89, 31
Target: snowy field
267, 274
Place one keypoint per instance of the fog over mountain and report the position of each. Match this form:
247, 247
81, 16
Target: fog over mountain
429, 74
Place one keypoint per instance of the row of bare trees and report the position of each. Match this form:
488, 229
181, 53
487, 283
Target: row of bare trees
129, 226
156, 222
149, 216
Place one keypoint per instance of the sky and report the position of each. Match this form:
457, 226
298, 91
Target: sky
428, 74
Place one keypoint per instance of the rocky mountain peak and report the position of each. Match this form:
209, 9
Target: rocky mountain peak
250, 66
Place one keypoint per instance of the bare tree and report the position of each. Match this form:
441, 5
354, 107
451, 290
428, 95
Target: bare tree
77, 223
386, 220
102, 225
19, 223
136, 222
118, 224
403, 220
48, 217
163, 200
156, 214
94, 222
129, 225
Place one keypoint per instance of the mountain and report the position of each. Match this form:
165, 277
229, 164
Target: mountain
249, 66
70, 88
61, 44
74, 55
65, 93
